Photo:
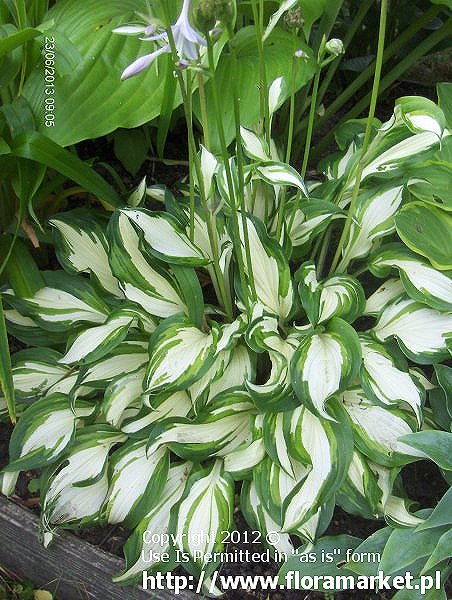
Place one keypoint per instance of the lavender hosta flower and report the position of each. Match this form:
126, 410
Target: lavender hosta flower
186, 39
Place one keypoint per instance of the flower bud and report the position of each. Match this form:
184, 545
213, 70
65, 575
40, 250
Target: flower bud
204, 15
334, 47
300, 54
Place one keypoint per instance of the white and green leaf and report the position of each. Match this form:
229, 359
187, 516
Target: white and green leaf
166, 237
141, 283
421, 281
136, 482
324, 364
421, 332
82, 247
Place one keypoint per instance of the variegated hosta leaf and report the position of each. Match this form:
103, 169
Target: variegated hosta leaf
285, 5
94, 343
219, 429
270, 269
238, 370
77, 492
373, 218
273, 485
395, 509
421, 281
140, 282
146, 545
241, 461
276, 433
203, 389
173, 405
258, 519
82, 247
180, 354
35, 371
377, 430
263, 334
255, 147
165, 237
398, 153
421, 332
382, 379
127, 357
309, 220
209, 166
121, 393
337, 296
324, 364
277, 93
341, 296
136, 482
278, 173
389, 290
204, 514
330, 447
64, 303
360, 494
44, 432
420, 114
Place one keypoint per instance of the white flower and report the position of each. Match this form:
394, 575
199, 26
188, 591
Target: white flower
186, 39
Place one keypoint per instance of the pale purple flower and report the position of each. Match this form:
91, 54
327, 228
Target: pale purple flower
186, 39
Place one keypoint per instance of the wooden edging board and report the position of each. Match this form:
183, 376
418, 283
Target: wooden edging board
70, 568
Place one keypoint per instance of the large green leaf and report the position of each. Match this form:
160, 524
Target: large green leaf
427, 230
278, 52
38, 147
91, 100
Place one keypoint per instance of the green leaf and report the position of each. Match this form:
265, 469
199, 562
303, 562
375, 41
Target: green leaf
442, 551
91, 99
324, 364
444, 89
278, 52
311, 562
21, 269
437, 445
415, 544
17, 39
36, 146
427, 230
441, 515
6, 380
130, 148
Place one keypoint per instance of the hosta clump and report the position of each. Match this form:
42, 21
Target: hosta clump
180, 357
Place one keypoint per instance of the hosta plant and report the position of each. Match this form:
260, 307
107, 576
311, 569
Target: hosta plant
189, 359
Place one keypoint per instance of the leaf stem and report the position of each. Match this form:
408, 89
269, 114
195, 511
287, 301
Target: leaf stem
367, 134
230, 182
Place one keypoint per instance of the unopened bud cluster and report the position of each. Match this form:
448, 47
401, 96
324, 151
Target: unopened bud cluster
208, 12
293, 18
